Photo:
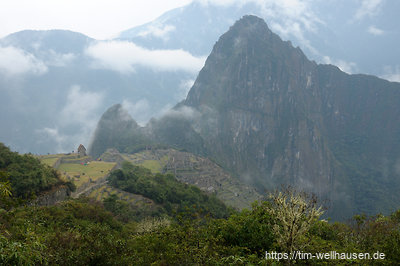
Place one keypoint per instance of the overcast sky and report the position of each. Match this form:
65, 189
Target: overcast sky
100, 19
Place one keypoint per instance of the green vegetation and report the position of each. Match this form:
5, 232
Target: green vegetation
50, 161
177, 224
28, 177
84, 172
83, 232
174, 196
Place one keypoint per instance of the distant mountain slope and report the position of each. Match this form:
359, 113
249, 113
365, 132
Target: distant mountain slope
54, 88
60, 41
56, 84
357, 36
260, 108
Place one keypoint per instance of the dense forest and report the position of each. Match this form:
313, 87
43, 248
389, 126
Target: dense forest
189, 227
27, 177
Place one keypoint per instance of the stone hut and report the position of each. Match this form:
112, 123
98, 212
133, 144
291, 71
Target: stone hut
82, 150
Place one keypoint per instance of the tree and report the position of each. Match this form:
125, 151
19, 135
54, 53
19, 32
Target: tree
295, 212
5, 187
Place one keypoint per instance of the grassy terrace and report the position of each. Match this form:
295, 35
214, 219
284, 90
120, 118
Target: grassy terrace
147, 160
49, 161
82, 173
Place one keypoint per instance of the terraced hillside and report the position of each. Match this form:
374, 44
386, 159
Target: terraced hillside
192, 169
90, 178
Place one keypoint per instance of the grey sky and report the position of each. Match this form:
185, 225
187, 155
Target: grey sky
100, 19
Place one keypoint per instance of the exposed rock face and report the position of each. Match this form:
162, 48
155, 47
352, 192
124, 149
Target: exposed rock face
52, 197
260, 108
280, 118
265, 98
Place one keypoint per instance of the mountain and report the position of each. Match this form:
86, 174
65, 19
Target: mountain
62, 41
116, 129
56, 84
327, 31
262, 110
55, 87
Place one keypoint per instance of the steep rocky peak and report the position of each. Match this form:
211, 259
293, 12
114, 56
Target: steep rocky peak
117, 115
250, 23
249, 59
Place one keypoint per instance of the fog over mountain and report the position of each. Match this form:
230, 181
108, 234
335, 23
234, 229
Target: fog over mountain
55, 85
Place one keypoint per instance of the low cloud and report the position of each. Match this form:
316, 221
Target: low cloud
288, 18
76, 121
54, 134
140, 111
184, 112
81, 106
14, 61
375, 31
348, 67
124, 56
392, 73
184, 88
368, 8
59, 60
157, 30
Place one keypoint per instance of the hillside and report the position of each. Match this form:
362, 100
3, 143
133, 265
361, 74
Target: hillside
176, 223
28, 177
262, 110
191, 169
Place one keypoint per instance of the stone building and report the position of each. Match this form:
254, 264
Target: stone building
82, 150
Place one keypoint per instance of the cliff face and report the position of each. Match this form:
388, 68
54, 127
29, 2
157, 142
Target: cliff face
262, 110
273, 117
266, 100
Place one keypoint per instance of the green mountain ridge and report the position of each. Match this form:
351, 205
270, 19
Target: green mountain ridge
191, 169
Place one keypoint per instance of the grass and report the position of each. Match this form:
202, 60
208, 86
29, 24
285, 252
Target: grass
49, 161
75, 158
153, 165
93, 170
146, 159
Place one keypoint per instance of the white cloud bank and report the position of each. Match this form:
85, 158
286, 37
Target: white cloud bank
124, 56
157, 30
14, 61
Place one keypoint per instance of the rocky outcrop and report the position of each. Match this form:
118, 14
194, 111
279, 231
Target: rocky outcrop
52, 197
262, 110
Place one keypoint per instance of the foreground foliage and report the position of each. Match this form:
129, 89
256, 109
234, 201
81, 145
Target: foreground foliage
191, 228
25, 175
82, 232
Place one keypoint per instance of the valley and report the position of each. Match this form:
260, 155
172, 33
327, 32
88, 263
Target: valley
217, 134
